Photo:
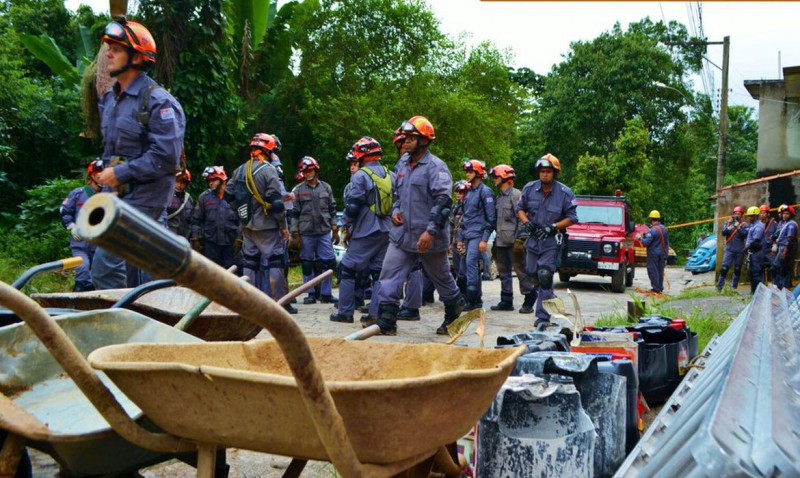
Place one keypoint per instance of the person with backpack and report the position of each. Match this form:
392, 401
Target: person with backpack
143, 128
785, 245
313, 220
255, 194
179, 210
366, 218
69, 212
460, 188
214, 222
477, 225
420, 215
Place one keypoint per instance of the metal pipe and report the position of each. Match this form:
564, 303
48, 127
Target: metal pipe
107, 222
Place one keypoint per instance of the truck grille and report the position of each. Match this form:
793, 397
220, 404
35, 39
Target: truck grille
584, 247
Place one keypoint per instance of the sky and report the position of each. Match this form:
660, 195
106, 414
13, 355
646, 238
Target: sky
763, 35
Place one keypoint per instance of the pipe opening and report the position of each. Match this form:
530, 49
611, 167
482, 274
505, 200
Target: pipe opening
96, 216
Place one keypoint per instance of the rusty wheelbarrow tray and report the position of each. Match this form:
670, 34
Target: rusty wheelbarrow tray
41, 404
466, 383
168, 305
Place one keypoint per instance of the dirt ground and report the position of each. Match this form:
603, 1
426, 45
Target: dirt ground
594, 297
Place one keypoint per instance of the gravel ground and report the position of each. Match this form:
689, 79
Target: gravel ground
595, 299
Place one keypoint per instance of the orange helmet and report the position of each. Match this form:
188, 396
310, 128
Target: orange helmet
547, 161
94, 167
419, 126
502, 171
184, 174
265, 142
738, 209
461, 187
475, 166
398, 137
784, 208
132, 35
307, 163
215, 172
365, 148
764, 208
299, 177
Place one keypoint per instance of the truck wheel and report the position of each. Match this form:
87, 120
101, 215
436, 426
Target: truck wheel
629, 276
618, 279
564, 277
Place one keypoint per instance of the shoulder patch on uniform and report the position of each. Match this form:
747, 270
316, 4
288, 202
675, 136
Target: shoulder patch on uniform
444, 175
167, 113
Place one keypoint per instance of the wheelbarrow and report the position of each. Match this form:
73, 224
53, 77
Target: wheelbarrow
40, 406
372, 409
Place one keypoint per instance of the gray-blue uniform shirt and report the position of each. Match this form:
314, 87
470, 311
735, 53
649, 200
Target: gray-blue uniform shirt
417, 191
547, 209
656, 240
362, 189
480, 215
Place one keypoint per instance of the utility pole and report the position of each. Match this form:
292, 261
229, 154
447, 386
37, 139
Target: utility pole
723, 126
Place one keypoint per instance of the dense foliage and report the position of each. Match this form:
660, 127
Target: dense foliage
322, 73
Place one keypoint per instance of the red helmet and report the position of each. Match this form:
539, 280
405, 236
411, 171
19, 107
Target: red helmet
215, 172
398, 137
265, 142
184, 174
784, 208
461, 186
547, 161
419, 126
475, 166
94, 167
503, 171
307, 163
764, 208
738, 209
132, 35
365, 148
350, 157
299, 177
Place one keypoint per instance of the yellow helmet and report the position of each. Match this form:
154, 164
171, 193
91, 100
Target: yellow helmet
752, 211
654, 215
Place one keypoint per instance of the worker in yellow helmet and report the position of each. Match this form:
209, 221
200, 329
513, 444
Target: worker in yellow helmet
656, 240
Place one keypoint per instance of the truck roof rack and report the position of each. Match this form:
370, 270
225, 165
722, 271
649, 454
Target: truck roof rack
592, 197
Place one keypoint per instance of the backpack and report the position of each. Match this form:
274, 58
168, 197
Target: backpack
383, 193
242, 194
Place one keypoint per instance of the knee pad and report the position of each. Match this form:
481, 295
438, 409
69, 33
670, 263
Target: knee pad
308, 267
276, 262
251, 261
329, 264
545, 278
723, 271
347, 273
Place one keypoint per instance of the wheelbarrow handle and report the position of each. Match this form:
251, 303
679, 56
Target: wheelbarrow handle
63, 264
106, 221
141, 290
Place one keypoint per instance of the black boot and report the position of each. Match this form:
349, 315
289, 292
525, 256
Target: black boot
290, 309
337, 317
428, 299
310, 299
452, 310
387, 320
506, 303
528, 304
366, 321
473, 299
329, 299
408, 314
462, 285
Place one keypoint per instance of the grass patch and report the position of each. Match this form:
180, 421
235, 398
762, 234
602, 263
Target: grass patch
705, 324
58, 281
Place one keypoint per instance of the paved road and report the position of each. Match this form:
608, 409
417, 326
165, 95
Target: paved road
594, 297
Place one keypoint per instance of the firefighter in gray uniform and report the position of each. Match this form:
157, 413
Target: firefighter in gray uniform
313, 219
419, 217
254, 192
507, 228
461, 188
545, 207
366, 217
179, 210
477, 226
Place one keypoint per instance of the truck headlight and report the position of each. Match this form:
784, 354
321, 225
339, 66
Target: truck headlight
607, 249
610, 249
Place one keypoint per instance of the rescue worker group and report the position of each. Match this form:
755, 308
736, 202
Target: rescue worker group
401, 227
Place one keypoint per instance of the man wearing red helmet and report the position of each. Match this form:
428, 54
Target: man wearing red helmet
419, 217
313, 220
179, 210
735, 233
254, 191
785, 248
214, 221
69, 211
505, 239
461, 188
143, 128
477, 226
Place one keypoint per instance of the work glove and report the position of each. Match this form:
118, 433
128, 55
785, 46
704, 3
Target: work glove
73, 229
237, 245
196, 244
346, 238
335, 234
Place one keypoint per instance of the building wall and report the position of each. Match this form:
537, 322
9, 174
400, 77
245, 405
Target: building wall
778, 123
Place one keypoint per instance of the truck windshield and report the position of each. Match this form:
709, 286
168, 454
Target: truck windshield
610, 216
